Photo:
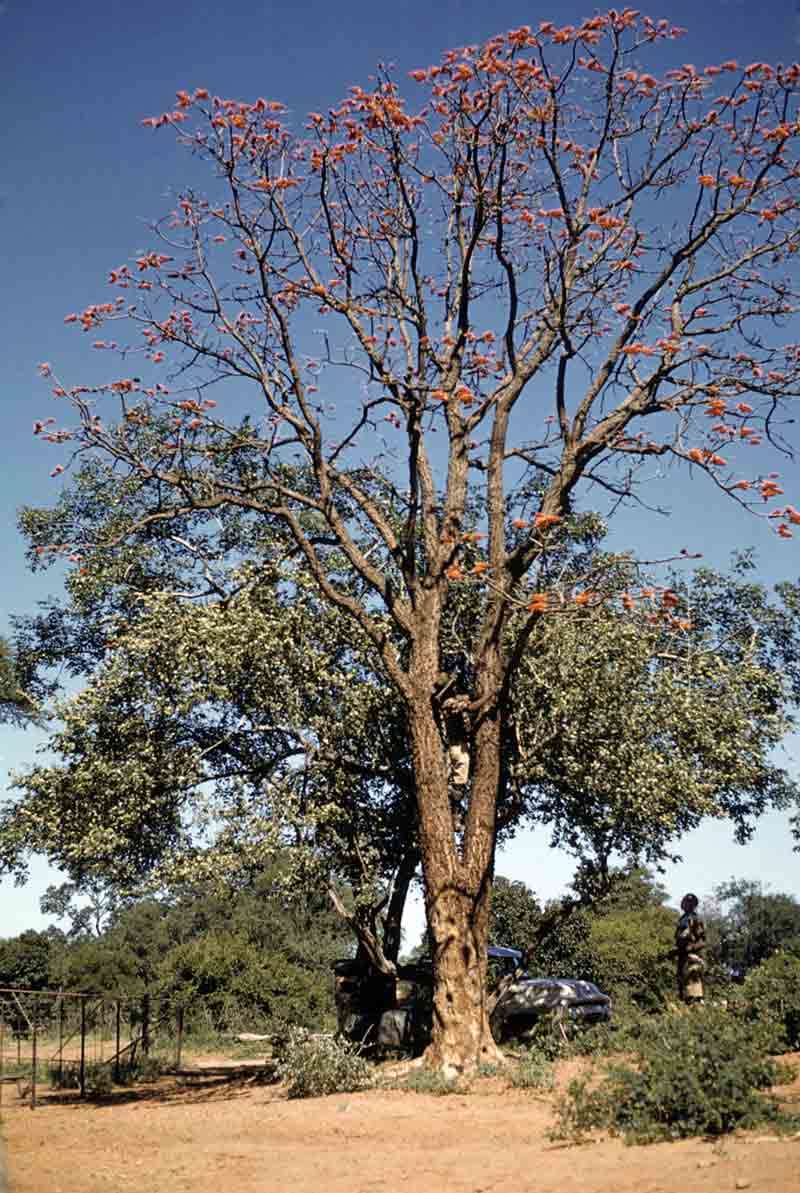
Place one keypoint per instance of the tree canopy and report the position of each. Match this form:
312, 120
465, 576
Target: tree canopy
749, 923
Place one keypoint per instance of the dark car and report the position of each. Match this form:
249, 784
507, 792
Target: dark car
395, 1013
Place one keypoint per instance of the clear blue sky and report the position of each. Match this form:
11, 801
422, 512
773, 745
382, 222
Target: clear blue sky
82, 178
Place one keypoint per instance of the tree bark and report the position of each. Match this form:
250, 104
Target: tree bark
458, 878
461, 1036
369, 947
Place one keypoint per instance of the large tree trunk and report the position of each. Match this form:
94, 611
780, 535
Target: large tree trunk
462, 1036
457, 866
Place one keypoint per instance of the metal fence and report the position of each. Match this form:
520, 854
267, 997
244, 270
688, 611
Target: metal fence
58, 1039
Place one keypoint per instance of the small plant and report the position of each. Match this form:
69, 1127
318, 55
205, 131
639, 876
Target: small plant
603, 1039
533, 1071
696, 1073
431, 1081
99, 1080
65, 1076
313, 1065
97, 1077
771, 993
100, 1077
142, 1068
551, 1035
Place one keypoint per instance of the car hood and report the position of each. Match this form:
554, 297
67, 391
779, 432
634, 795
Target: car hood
552, 991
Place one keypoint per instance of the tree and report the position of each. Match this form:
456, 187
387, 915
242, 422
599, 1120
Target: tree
496, 272
245, 719
15, 704
88, 906
753, 924
25, 960
250, 953
515, 914
630, 954
636, 889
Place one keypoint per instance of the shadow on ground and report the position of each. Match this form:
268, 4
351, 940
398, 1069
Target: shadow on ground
183, 1089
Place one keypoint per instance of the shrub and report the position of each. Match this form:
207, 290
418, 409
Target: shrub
99, 1080
533, 1071
65, 1076
429, 1081
549, 1036
140, 1068
555, 1037
100, 1077
97, 1075
695, 1073
630, 951
313, 1065
771, 992
622, 1034
239, 985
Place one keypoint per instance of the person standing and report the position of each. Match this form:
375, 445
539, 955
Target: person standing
690, 943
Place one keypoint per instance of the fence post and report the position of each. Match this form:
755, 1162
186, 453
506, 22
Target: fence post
83, 1046
61, 1041
179, 1038
33, 1053
116, 1044
146, 1024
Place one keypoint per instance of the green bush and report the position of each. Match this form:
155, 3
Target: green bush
99, 1080
549, 1038
771, 993
239, 985
556, 1037
621, 1034
696, 1073
630, 956
313, 1065
429, 1081
533, 1072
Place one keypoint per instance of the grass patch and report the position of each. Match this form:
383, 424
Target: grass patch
431, 1081
533, 1071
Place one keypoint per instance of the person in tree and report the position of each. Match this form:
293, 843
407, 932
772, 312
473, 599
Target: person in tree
690, 943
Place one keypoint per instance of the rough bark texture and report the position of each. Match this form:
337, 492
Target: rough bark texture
461, 1036
457, 863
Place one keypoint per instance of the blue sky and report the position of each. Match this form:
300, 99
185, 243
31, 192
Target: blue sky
83, 178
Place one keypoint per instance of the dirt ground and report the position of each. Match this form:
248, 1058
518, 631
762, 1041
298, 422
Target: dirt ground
205, 1134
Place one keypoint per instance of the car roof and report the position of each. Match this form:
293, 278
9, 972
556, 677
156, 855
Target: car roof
500, 952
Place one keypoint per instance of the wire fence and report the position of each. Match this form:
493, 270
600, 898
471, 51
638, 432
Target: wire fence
61, 1039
